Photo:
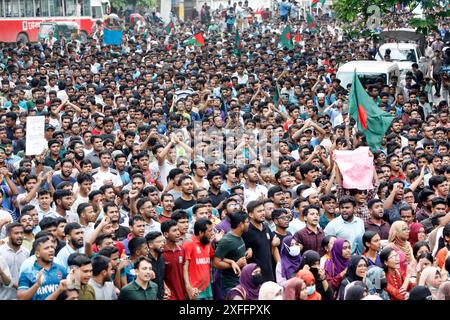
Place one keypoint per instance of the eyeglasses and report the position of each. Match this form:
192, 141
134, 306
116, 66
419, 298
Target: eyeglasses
362, 192
287, 218
201, 168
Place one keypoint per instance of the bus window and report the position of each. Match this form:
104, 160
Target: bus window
12, 8
2, 13
29, 8
70, 6
56, 8
41, 8
86, 8
97, 12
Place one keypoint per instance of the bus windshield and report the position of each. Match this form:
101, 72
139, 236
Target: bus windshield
365, 78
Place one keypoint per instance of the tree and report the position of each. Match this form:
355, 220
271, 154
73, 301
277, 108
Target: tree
364, 15
117, 4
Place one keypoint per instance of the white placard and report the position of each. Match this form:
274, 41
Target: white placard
35, 139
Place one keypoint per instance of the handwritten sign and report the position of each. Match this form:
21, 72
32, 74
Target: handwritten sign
35, 141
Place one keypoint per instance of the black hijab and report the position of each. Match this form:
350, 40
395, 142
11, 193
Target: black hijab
352, 265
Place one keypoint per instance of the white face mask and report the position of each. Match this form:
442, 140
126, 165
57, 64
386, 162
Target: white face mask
294, 251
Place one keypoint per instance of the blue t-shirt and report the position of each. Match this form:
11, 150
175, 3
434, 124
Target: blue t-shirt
57, 179
52, 277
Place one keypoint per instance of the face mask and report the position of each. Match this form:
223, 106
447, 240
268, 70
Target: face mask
383, 283
258, 279
294, 251
310, 290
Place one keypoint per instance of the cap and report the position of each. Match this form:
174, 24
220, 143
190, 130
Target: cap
306, 193
49, 127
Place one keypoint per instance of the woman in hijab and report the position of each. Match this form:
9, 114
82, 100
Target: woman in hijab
432, 279
444, 291
336, 267
356, 271
416, 233
310, 282
270, 291
378, 282
398, 283
355, 291
420, 293
290, 260
312, 259
398, 240
295, 289
249, 284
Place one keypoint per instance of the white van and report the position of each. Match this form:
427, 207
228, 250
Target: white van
368, 71
406, 45
404, 54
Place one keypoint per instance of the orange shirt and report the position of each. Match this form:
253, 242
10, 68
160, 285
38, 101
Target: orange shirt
199, 258
440, 257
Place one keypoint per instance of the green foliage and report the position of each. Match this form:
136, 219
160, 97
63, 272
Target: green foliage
145, 3
354, 13
116, 4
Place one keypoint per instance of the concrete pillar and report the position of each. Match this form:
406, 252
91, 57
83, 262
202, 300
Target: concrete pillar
166, 7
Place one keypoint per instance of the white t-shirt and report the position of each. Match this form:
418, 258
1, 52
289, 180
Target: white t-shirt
251, 195
101, 176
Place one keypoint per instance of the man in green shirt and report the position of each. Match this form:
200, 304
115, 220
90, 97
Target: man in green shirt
142, 288
83, 272
230, 252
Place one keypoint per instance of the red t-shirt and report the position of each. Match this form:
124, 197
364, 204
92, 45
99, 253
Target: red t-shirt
199, 258
173, 274
119, 245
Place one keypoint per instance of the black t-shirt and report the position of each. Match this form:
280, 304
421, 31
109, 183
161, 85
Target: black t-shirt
122, 233
261, 244
183, 204
216, 199
158, 268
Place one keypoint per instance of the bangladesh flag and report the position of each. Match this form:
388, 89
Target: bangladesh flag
169, 27
286, 38
276, 96
196, 40
311, 23
314, 3
370, 119
298, 37
237, 44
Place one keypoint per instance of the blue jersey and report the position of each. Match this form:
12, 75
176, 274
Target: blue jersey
50, 283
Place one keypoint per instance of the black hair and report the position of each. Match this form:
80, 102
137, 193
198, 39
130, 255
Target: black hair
418, 245
140, 260
152, 236
135, 244
201, 225
367, 237
99, 264
166, 225
307, 208
252, 205
178, 215
71, 226
237, 218
347, 199
384, 256
102, 237
47, 222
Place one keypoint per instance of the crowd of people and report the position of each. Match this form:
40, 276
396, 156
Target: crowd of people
179, 172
